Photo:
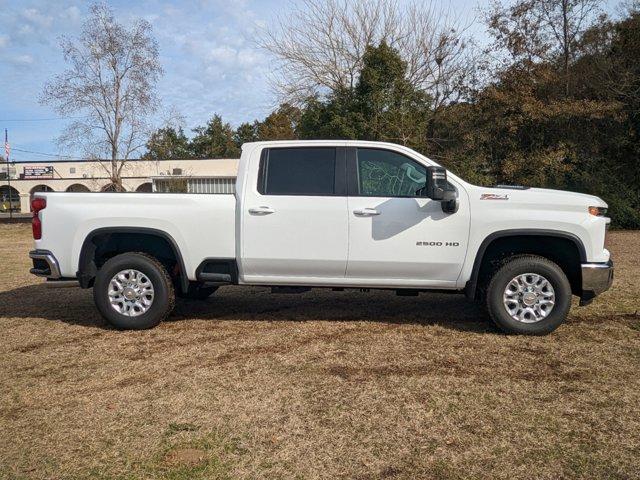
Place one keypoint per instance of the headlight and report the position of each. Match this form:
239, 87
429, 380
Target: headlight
598, 211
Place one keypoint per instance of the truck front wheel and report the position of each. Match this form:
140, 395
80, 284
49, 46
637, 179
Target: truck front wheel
133, 291
528, 295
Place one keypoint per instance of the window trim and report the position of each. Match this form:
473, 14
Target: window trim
339, 180
353, 173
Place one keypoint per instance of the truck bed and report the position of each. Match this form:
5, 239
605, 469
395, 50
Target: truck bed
202, 226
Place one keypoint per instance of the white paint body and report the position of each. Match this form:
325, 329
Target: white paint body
319, 241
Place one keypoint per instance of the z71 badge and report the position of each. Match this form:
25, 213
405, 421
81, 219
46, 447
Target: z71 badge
494, 196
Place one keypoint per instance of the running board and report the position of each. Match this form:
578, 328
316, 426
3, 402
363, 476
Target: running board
62, 283
215, 277
217, 271
290, 289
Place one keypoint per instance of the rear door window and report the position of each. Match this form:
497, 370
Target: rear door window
298, 171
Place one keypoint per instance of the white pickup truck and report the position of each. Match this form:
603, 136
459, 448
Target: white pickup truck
337, 214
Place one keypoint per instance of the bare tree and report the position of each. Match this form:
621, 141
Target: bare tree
110, 83
518, 31
566, 20
541, 29
320, 46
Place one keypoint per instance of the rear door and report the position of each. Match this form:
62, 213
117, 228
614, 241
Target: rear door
295, 227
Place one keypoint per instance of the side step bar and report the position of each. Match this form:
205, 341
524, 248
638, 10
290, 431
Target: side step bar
62, 283
218, 271
215, 277
290, 289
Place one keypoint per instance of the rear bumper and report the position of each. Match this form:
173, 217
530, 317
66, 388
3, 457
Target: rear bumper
45, 264
596, 278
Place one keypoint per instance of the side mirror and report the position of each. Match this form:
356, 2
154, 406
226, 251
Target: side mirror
437, 188
436, 185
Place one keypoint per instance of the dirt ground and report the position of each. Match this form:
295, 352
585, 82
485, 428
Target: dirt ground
320, 385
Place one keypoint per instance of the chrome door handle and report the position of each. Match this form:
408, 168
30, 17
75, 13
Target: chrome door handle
262, 210
366, 212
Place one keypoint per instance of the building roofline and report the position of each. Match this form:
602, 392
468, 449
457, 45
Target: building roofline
53, 162
198, 177
80, 179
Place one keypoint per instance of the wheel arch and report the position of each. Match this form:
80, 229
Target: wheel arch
87, 268
500, 239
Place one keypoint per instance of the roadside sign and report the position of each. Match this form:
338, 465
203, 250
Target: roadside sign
35, 173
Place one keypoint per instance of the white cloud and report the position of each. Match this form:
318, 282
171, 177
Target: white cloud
34, 16
72, 13
223, 54
4, 41
22, 60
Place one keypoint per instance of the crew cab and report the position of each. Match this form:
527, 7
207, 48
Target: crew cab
337, 214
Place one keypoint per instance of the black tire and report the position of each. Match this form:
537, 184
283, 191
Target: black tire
163, 299
197, 291
528, 264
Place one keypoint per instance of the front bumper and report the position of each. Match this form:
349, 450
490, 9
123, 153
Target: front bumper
596, 278
45, 264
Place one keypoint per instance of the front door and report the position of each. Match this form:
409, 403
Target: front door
396, 236
296, 223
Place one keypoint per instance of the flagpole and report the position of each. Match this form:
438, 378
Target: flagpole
6, 151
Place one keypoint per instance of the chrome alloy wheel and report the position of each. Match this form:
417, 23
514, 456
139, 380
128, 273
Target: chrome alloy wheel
131, 293
529, 298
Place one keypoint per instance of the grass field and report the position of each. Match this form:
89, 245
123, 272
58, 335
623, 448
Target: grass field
321, 385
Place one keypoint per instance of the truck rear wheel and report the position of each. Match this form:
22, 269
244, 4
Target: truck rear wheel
133, 291
528, 295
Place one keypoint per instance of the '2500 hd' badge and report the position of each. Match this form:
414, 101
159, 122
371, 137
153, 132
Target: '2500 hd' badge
437, 244
494, 196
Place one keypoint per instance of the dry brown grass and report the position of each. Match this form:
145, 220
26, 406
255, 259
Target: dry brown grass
321, 385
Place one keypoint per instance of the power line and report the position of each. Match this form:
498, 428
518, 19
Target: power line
40, 153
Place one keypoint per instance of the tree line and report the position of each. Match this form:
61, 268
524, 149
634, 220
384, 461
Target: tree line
552, 101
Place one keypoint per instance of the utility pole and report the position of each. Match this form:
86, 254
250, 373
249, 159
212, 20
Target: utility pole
7, 150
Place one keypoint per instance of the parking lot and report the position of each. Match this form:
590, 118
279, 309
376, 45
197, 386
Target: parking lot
321, 385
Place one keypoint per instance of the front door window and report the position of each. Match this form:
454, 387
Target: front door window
383, 173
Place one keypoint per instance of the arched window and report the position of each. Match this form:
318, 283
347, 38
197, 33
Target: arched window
111, 187
41, 188
9, 199
78, 187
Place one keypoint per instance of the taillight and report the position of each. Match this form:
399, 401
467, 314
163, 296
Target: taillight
37, 204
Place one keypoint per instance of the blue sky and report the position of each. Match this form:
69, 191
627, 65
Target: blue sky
207, 50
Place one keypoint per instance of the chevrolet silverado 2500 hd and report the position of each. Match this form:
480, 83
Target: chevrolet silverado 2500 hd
342, 214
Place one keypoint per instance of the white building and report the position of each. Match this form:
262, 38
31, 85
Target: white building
198, 176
